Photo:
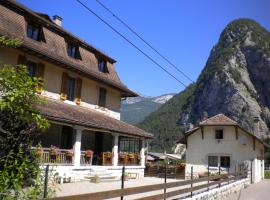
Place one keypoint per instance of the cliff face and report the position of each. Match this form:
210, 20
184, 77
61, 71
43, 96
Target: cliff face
236, 79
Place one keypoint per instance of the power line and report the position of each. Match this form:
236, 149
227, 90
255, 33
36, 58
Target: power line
132, 44
142, 39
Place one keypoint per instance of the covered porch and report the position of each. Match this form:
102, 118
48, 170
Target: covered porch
81, 137
81, 146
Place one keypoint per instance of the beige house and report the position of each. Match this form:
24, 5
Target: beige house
83, 94
220, 142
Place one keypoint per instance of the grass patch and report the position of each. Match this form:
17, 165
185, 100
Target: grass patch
267, 174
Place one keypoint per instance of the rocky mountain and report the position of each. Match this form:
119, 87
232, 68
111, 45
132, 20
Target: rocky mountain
135, 109
235, 81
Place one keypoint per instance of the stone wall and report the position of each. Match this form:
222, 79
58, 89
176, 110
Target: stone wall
223, 192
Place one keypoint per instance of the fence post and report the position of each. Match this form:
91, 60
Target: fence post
208, 173
191, 194
219, 174
165, 179
45, 194
123, 180
251, 172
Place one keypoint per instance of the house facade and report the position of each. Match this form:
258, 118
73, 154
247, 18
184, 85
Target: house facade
82, 91
220, 143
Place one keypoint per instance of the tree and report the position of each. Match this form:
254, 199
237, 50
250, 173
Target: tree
20, 124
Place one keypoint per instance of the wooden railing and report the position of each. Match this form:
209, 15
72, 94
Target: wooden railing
187, 187
86, 160
60, 156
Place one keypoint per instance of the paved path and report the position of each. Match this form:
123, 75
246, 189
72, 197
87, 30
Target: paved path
258, 191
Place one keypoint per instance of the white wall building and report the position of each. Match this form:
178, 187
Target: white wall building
220, 142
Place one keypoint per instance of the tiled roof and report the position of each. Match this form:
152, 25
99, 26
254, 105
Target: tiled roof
219, 119
13, 23
59, 111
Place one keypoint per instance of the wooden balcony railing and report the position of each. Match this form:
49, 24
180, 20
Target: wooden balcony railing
86, 157
56, 156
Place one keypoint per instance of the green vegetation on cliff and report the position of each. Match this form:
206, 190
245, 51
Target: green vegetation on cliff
163, 122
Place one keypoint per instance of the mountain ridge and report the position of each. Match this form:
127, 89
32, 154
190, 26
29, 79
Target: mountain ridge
234, 81
135, 109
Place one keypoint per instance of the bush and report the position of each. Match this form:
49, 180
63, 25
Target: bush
267, 174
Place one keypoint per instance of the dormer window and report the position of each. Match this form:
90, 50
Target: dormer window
73, 51
34, 32
102, 66
219, 134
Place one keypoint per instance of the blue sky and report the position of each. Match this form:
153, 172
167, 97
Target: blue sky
184, 31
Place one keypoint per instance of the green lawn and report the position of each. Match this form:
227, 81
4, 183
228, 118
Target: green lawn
267, 174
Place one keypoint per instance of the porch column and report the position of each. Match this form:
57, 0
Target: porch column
115, 149
143, 153
77, 146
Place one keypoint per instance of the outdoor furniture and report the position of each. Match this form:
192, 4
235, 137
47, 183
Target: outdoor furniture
107, 158
137, 159
69, 156
131, 158
88, 157
122, 158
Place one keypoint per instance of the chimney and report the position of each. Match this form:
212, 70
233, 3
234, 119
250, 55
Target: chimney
190, 126
256, 127
57, 20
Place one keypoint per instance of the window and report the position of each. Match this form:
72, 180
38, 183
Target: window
70, 88
219, 134
32, 68
102, 66
33, 32
129, 145
213, 161
225, 161
102, 97
73, 51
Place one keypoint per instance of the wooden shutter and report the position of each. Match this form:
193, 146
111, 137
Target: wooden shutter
22, 60
78, 91
40, 70
63, 95
40, 75
102, 97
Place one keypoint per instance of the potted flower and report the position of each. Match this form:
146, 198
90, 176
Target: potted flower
88, 153
54, 150
122, 155
69, 153
108, 154
131, 155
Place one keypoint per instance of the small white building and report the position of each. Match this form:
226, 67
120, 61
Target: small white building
220, 142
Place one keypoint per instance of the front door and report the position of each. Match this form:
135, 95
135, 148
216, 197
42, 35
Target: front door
67, 137
98, 143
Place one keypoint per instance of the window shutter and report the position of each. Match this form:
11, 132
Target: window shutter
63, 95
40, 75
102, 97
22, 60
40, 70
78, 91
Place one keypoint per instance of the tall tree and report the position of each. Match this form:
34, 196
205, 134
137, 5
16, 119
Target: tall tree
20, 124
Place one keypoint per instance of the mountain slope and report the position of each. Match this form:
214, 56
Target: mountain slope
235, 81
135, 109
163, 122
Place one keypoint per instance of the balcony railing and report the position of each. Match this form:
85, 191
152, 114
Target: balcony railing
56, 156
66, 157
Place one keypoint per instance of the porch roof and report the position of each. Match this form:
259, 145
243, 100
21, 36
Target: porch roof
59, 111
